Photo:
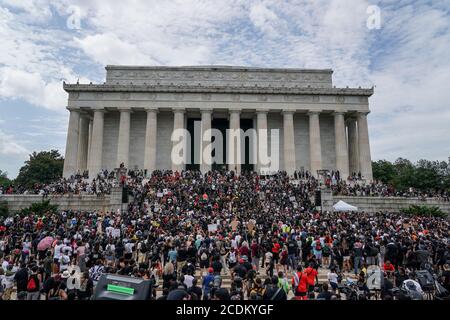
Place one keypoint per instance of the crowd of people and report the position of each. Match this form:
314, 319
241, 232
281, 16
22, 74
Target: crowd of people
75, 185
188, 231
353, 185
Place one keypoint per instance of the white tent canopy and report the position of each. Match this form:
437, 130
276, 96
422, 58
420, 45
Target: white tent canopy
343, 206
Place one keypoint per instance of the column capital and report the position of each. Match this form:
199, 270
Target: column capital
313, 112
179, 110
207, 110
99, 110
339, 113
234, 110
124, 109
287, 112
262, 111
149, 110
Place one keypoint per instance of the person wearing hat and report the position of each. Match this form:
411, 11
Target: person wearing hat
208, 281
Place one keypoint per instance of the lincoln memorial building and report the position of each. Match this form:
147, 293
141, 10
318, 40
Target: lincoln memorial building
131, 118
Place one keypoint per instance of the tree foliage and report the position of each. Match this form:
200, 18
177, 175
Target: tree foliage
4, 180
40, 208
4, 211
424, 175
42, 167
424, 211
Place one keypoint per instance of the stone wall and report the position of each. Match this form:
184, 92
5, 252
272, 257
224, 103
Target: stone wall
393, 204
113, 202
76, 202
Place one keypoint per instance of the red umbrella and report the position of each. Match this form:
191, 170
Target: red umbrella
45, 243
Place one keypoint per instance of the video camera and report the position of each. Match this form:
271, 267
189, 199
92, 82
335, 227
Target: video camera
115, 287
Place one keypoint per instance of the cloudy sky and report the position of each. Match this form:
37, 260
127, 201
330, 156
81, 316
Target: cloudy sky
45, 42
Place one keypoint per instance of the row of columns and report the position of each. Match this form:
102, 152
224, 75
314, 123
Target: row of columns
85, 141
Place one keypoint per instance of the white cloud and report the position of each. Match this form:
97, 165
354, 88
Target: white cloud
264, 19
109, 49
16, 84
10, 147
407, 59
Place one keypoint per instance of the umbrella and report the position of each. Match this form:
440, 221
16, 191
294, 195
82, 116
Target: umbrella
45, 243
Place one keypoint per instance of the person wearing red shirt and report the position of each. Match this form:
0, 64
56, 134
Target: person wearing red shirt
311, 274
389, 268
255, 254
276, 254
300, 284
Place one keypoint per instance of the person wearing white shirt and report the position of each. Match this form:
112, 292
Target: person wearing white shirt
333, 279
188, 280
57, 251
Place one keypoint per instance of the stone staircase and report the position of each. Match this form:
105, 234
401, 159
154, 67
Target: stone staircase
226, 279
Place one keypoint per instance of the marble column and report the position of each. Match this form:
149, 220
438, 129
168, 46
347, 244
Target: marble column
150, 141
235, 124
315, 147
178, 123
83, 143
365, 160
123, 145
341, 145
289, 142
261, 125
95, 159
71, 156
91, 123
205, 158
353, 146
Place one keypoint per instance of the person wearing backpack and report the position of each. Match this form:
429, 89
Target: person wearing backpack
204, 259
317, 250
258, 290
273, 292
33, 285
300, 284
283, 282
326, 253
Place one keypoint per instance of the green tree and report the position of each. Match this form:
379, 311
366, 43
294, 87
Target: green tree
42, 167
384, 171
4, 180
40, 208
424, 175
4, 209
